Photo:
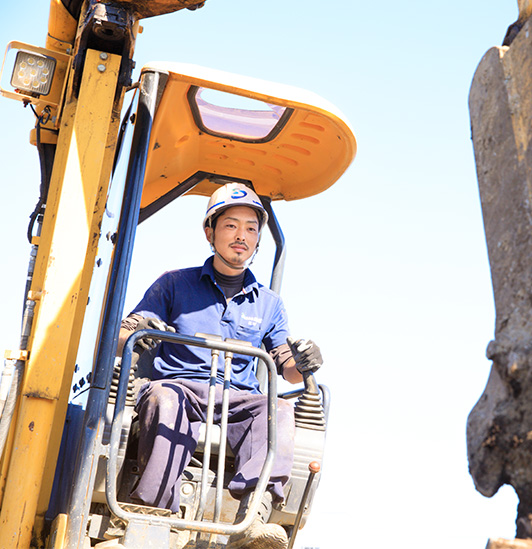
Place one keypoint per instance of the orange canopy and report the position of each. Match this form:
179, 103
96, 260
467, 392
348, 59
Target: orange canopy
304, 147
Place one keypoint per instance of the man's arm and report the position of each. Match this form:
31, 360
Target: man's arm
136, 322
291, 373
127, 327
295, 357
306, 356
286, 365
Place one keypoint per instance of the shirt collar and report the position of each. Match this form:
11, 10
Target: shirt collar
250, 282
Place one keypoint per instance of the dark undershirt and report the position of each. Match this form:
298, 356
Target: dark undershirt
230, 285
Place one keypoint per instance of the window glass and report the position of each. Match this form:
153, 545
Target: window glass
236, 116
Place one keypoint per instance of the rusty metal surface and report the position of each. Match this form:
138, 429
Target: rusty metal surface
152, 8
499, 428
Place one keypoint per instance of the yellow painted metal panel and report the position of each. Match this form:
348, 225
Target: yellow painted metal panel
25, 472
61, 27
63, 271
58, 531
65, 258
4, 464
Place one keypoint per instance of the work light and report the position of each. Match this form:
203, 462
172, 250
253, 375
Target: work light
33, 72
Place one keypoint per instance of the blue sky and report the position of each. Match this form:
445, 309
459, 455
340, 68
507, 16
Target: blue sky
387, 271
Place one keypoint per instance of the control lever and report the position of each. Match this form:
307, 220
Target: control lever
309, 381
314, 468
308, 410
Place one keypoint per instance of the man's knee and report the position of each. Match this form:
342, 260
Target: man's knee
162, 396
285, 413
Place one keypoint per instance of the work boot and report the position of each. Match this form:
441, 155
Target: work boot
260, 535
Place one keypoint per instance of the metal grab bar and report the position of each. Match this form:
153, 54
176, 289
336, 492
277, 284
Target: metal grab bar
223, 437
111, 473
215, 353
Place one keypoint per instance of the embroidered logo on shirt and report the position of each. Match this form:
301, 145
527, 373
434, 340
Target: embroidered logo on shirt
251, 320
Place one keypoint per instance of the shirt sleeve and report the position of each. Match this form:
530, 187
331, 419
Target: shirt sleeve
157, 300
279, 330
281, 355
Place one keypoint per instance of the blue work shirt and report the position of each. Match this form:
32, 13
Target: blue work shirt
192, 302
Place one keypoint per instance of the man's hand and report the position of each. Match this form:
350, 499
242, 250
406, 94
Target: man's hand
306, 354
148, 343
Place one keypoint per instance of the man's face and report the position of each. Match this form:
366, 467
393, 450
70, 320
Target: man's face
235, 236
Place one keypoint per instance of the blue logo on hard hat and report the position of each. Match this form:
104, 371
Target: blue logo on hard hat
238, 193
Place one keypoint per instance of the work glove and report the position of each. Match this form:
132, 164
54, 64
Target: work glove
306, 354
148, 343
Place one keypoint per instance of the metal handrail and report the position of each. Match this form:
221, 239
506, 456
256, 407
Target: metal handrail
215, 353
223, 436
111, 474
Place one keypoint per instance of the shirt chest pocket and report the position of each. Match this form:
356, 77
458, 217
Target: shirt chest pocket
251, 334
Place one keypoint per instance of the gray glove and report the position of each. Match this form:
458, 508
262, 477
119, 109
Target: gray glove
148, 343
306, 354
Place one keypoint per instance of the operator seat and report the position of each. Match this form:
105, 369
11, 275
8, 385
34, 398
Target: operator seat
311, 412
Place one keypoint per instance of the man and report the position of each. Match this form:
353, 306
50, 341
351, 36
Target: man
221, 298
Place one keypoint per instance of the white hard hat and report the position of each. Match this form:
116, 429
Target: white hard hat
234, 194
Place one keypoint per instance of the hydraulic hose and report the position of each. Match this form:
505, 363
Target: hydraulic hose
12, 396
46, 158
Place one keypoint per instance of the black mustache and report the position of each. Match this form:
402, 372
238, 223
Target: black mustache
240, 244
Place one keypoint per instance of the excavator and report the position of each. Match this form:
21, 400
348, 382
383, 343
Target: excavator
68, 463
